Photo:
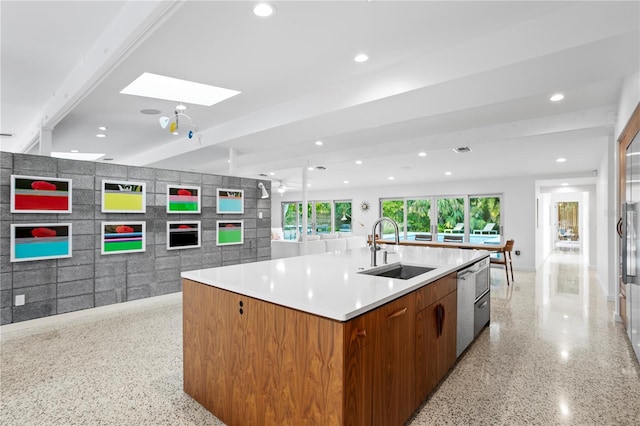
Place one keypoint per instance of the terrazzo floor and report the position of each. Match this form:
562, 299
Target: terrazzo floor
552, 356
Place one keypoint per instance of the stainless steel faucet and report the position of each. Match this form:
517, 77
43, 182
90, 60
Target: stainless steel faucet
374, 246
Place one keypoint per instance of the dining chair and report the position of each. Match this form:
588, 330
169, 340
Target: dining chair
505, 259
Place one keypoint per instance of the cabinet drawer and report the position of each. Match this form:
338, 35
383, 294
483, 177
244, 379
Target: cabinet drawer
359, 332
435, 291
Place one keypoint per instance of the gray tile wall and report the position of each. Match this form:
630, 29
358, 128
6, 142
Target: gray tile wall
89, 279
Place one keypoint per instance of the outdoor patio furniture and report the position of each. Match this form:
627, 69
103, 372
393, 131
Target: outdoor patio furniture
457, 228
488, 229
423, 237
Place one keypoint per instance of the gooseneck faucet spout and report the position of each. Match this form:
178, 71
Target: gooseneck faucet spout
374, 246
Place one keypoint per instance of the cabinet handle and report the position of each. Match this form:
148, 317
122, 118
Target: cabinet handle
361, 333
483, 304
439, 318
398, 313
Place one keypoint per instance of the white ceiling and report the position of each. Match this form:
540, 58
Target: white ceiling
440, 75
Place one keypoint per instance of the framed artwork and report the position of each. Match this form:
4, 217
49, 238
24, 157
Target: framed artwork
123, 197
183, 199
122, 237
33, 194
229, 232
230, 201
183, 234
40, 241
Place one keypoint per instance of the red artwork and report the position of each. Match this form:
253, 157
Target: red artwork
38, 195
123, 229
184, 192
184, 227
43, 232
41, 185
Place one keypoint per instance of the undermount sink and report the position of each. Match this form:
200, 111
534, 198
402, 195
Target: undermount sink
398, 271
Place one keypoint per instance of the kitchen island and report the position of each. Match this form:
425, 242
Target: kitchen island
312, 340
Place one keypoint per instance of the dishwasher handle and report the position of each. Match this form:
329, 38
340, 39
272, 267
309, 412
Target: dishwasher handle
469, 271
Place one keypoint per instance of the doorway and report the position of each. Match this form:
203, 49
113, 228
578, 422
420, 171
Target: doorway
567, 226
563, 220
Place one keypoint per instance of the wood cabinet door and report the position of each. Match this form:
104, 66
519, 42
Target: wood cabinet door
212, 325
435, 344
393, 390
358, 387
447, 340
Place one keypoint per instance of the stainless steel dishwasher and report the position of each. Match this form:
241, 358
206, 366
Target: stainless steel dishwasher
473, 290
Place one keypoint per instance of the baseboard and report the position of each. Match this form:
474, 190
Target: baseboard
70, 316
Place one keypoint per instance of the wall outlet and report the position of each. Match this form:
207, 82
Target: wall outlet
517, 252
259, 215
19, 300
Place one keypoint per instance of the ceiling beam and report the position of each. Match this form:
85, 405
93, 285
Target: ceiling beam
135, 22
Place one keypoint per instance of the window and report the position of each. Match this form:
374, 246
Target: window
342, 219
419, 219
444, 218
322, 217
450, 215
393, 209
484, 217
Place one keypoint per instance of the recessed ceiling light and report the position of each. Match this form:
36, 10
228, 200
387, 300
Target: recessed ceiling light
358, 162
346, 181
564, 184
561, 160
102, 128
308, 184
101, 135
263, 10
310, 168
74, 150
319, 143
361, 58
422, 154
391, 178
557, 97
181, 107
174, 89
272, 173
448, 173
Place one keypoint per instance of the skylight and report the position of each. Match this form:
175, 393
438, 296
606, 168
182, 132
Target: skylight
174, 89
83, 156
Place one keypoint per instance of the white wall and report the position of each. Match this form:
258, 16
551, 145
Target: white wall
605, 219
518, 207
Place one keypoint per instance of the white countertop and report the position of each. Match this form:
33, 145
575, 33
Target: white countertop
329, 284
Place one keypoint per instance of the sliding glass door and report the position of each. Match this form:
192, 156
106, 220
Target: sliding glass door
450, 213
484, 219
467, 218
419, 219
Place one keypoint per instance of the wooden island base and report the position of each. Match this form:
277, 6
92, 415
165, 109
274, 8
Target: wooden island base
251, 362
